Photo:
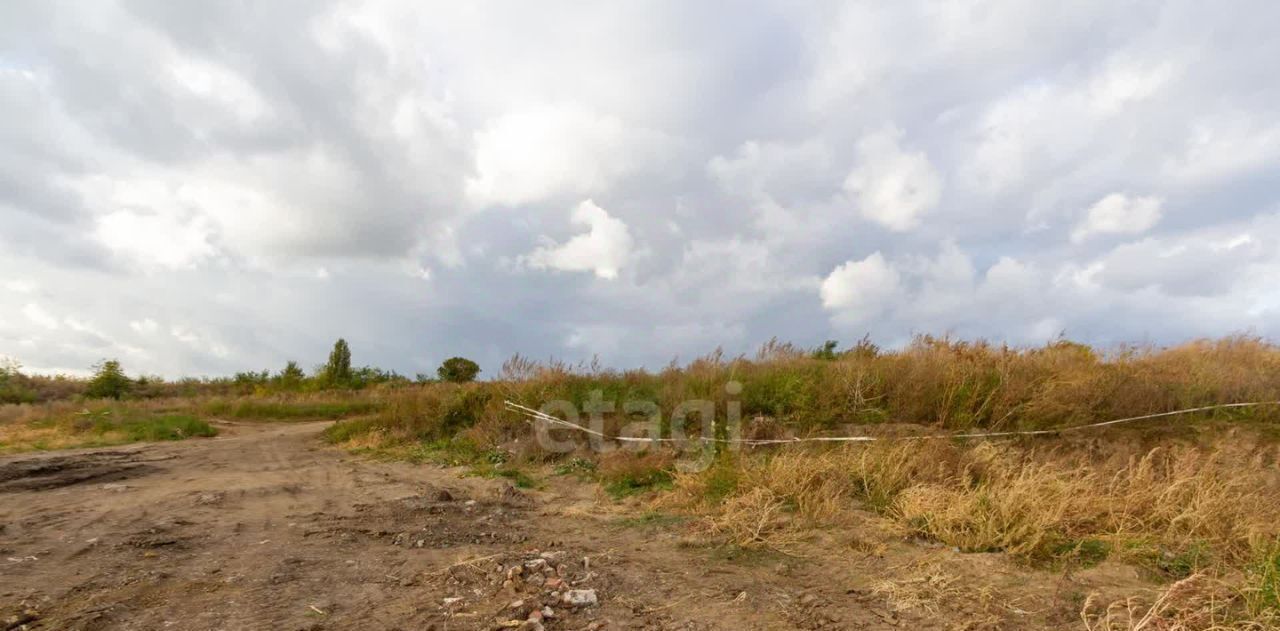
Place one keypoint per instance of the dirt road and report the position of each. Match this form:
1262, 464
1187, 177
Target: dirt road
266, 528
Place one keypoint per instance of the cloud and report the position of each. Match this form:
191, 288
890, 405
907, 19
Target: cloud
893, 187
38, 316
199, 341
556, 151
1211, 262
860, 290
774, 169
154, 240
943, 293
1223, 144
145, 326
604, 249
1118, 213
20, 286
806, 172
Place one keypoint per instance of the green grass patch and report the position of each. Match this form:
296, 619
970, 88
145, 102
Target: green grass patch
1264, 580
1082, 552
1183, 563
166, 427
624, 473
489, 470
628, 485
1163, 563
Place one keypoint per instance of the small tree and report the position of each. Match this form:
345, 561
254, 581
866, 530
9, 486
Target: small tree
109, 381
458, 370
338, 370
291, 377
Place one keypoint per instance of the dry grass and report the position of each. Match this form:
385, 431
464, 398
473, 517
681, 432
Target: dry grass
1195, 603
1177, 496
926, 586
1033, 502
1175, 509
624, 473
932, 384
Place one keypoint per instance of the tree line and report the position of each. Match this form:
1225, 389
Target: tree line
109, 380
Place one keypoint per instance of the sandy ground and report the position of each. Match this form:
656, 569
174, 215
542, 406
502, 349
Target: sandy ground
267, 528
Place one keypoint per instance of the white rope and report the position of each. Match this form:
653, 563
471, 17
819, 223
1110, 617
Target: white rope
515, 407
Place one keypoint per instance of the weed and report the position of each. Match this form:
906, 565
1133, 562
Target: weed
1263, 594
624, 473
517, 476
652, 519
1086, 552
583, 468
721, 480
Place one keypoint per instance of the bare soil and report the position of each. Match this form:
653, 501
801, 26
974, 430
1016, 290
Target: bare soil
267, 528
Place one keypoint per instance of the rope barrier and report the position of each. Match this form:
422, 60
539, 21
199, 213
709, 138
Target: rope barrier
535, 414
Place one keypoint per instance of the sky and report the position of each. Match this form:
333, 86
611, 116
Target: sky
199, 188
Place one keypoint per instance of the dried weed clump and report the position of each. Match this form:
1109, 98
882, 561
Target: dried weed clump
1195, 603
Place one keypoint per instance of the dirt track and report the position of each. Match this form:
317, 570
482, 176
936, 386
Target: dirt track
265, 528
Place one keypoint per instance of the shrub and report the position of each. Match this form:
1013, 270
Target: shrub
291, 377
109, 381
13, 386
458, 370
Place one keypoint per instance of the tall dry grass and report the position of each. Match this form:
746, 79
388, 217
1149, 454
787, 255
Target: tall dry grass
938, 382
1176, 509
1204, 504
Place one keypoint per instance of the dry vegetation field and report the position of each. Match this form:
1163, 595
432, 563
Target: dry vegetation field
1188, 506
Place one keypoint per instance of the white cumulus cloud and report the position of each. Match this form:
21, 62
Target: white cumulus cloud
154, 239
1118, 213
860, 290
604, 249
893, 186
531, 155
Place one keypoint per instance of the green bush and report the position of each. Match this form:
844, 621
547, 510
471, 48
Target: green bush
458, 370
109, 381
13, 387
